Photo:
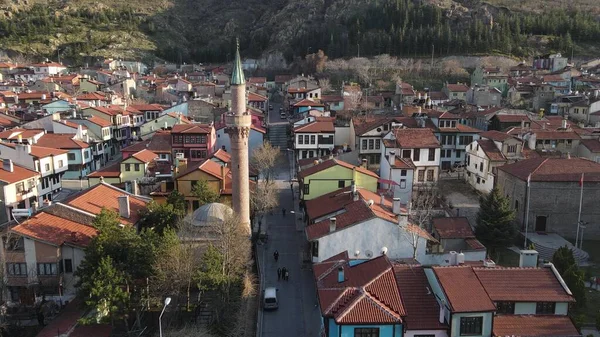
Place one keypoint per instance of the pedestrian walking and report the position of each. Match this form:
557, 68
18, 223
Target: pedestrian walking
283, 272
276, 255
287, 275
283, 212
278, 274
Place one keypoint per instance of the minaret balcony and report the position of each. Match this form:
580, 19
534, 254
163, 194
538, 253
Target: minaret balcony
233, 120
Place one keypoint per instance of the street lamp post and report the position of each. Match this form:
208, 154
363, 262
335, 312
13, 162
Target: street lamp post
167, 301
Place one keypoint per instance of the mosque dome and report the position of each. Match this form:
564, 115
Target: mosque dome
211, 214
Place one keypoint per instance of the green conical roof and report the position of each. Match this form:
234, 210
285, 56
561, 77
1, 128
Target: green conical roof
237, 75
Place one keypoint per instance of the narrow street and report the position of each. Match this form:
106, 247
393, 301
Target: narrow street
297, 314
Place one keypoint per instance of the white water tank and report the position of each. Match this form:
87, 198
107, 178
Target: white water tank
453, 258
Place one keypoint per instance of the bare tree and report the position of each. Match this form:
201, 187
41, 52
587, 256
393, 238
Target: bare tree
421, 212
264, 198
325, 85
352, 99
265, 159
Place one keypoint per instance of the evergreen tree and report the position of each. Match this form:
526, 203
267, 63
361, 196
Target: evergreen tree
178, 201
563, 259
204, 193
159, 217
495, 228
565, 264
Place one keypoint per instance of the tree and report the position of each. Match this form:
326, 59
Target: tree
563, 259
565, 264
204, 193
420, 215
159, 217
264, 198
495, 228
325, 85
178, 201
265, 159
315, 63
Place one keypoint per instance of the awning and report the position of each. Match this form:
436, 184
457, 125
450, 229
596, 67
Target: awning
387, 182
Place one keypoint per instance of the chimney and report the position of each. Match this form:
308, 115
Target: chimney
7, 165
354, 191
528, 258
341, 277
392, 159
124, 210
332, 225
442, 312
402, 220
382, 199
396, 206
74, 113
522, 124
364, 163
419, 110
19, 139
564, 123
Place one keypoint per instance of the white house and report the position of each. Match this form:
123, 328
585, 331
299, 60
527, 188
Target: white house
50, 163
47, 68
454, 137
397, 175
315, 138
363, 223
19, 188
417, 146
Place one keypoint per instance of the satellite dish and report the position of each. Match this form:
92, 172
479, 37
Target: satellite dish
357, 253
368, 253
384, 250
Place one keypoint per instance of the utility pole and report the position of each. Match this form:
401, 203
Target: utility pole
432, 53
358, 49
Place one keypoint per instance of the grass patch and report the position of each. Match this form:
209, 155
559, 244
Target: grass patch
507, 258
592, 306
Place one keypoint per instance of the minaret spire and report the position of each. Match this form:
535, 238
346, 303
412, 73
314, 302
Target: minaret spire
237, 75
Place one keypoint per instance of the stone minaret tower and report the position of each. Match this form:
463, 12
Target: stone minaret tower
238, 123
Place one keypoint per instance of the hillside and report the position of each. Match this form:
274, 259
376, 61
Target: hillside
204, 30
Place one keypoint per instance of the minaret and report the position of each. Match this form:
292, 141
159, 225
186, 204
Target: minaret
238, 122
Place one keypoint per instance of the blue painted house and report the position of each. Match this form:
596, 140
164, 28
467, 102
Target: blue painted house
359, 298
58, 106
306, 105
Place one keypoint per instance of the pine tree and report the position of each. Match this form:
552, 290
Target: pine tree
565, 264
495, 227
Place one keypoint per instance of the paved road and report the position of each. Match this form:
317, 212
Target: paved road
274, 115
297, 314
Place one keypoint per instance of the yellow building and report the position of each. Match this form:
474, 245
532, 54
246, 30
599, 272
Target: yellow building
110, 174
218, 178
333, 174
132, 168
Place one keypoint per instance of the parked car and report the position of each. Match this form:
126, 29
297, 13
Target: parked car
270, 107
282, 115
270, 301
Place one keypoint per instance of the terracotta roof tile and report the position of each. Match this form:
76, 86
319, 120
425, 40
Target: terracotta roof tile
368, 294
463, 290
534, 326
453, 228
495, 135
61, 141
24, 133
107, 111
110, 171
457, 87
145, 156
422, 309
491, 150
222, 155
147, 107
316, 127
591, 144
192, 128
95, 198
70, 124
404, 163
308, 102
55, 230
541, 135
474, 244
19, 173
512, 118
332, 98
99, 121
460, 128
254, 97
39, 151
522, 285
416, 138
207, 166
554, 169
92, 96
331, 163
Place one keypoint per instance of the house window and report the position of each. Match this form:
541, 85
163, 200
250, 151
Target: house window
47, 269
545, 308
468, 159
471, 326
341, 183
478, 180
481, 167
464, 140
366, 332
178, 139
136, 167
371, 144
71, 156
403, 173
386, 127
306, 139
364, 144
458, 153
187, 139
377, 144
68, 266
402, 183
47, 167
569, 143
300, 139
505, 307
315, 248
516, 205
306, 189
406, 154
312, 139
17, 269
431, 155
127, 167
416, 154
429, 175
512, 149
202, 139
86, 155
421, 176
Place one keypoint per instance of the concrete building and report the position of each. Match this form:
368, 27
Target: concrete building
315, 138
19, 188
239, 123
484, 96
554, 194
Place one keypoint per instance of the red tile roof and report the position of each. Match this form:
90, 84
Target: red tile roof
534, 326
541, 135
460, 128
95, 198
99, 121
404, 163
522, 284
422, 309
39, 151
463, 290
61, 141
512, 118
24, 133
254, 97
192, 128
490, 149
258, 80
70, 124
331, 163
19, 173
593, 145
316, 127
368, 294
309, 103
92, 96
207, 166
55, 230
222, 155
554, 169
145, 156
457, 87
453, 228
495, 135
332, 98
33, 95
108, 111
110, 171
416, 138
147, 107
